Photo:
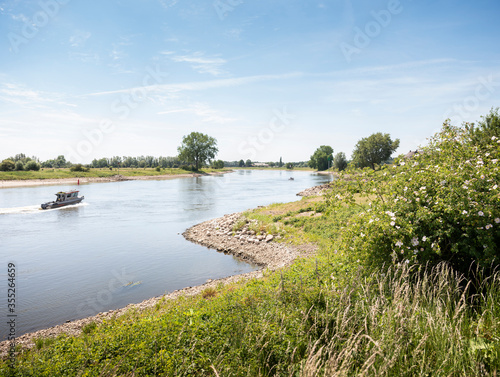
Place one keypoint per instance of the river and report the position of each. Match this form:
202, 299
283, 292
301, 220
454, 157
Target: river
123, 243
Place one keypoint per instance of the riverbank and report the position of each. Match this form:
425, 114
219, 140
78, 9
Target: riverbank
83, 180
217, 234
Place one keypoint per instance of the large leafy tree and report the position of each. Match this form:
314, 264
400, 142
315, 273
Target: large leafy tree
374, 149
321, 157
197, 149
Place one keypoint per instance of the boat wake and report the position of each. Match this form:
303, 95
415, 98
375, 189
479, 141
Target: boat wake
35, 209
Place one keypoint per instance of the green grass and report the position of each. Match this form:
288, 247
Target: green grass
104, 172
322, 316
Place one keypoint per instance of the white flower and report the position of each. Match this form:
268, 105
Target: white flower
424, 238
414, 241
399, 244
480, 213
393, 223
390, 213
489, 226
497, 220
464, 212
495, 187
422, 188
493, 138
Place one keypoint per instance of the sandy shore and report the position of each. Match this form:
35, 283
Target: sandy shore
216, 234
115, 178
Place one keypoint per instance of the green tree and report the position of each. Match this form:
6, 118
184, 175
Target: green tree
32, 165
197, 149
340, 161
281, 163
218, 164
289, 165
248, 163
374, 149
19, 165
61, 162
319, 160
7, 165
241, 163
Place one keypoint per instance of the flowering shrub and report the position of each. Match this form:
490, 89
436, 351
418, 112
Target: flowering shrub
441, 204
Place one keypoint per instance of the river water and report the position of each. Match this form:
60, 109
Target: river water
123, 243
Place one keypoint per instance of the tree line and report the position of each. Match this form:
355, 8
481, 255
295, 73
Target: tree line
198, 150
368, 152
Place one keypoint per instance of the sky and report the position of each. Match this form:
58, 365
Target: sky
267, 79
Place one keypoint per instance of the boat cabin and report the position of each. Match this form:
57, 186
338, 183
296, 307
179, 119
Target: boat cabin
63, 196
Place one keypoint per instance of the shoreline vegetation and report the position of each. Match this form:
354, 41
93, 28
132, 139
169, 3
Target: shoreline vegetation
390, 272
215, 234
65, 176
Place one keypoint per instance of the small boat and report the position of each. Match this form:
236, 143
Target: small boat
290, 179
64, 199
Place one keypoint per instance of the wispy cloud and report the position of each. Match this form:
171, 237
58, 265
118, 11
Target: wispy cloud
201, 63
168, 3
21, 95
204, 85
85, 57
79, 38
204, 111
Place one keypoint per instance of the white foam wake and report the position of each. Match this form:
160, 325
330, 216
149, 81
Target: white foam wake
35, 209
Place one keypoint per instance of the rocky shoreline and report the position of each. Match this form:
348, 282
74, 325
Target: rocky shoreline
315, 191
231, 234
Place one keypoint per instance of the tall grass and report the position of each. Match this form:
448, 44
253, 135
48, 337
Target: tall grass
403, 323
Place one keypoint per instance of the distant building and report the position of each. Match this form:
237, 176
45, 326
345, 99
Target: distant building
260, 165
411, 153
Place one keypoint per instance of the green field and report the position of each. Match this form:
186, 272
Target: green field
104, 172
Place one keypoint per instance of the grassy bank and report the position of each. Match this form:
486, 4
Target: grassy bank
391, 291
96, 173
322, 316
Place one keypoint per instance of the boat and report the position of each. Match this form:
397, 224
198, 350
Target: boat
290, 179
64, 198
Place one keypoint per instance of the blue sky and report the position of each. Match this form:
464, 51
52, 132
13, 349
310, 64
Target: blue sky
267, 79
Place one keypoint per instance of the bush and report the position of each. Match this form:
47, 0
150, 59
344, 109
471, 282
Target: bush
32, 165
218, 164
79, 167
19, 166
7, 165
440, 205
187, 167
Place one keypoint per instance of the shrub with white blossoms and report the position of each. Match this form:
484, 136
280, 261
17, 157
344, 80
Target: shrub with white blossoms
442, 204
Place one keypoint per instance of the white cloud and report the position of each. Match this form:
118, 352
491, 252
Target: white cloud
79, 38
168, 3
85, 57
20, 17
203, 111
204, 85
202, 64
19, 94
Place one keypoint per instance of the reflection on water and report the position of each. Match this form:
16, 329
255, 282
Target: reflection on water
79, 260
